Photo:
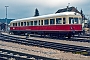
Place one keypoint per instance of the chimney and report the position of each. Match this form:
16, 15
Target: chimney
67, 8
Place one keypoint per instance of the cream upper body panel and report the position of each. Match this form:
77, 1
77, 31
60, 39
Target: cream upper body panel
63, 14
58, 18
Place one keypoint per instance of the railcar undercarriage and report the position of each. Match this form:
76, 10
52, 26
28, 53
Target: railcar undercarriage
57, 34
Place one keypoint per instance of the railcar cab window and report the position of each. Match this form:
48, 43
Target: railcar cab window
35, 22
58, 20
46, 22
73, 20
52, 21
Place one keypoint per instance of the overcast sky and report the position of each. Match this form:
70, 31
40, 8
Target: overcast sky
26, 8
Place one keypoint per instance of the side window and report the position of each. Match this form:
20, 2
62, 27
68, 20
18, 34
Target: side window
52, 21
46, 22
27, 23
41, 22
64, 20
15, 24
35, 22
21, 23
58, 20
31, 23
18, 23
24, 23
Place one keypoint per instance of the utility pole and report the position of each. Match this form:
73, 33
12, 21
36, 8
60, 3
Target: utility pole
6, 18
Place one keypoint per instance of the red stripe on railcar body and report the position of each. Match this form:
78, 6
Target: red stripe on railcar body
65, 27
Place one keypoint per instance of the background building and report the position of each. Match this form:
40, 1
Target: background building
4, 20
73, 9
3, 23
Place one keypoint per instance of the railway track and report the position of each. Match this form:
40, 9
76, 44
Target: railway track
7, 54
64, 47
75, 38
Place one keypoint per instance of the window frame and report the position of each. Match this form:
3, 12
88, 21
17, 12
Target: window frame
64, 20
28, 23
21, 23
18, 23
60, 20
46, 22
31, 23
24, 23
72, 20
52, 21
35, 23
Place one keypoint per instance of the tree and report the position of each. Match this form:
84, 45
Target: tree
82, 14
36, 12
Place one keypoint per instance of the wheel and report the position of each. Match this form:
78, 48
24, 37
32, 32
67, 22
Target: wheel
11, 33
25, 34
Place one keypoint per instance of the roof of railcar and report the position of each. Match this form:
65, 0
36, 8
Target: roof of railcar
46, 16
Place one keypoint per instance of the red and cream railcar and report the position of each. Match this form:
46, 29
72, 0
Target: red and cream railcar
59, 24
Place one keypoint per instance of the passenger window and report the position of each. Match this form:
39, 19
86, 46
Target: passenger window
58, 20
27, 23
35, 22
21, 23
52, 21
24, 23
46, 22
15, 24
18, 23
31, 22
64, 21
41, 22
